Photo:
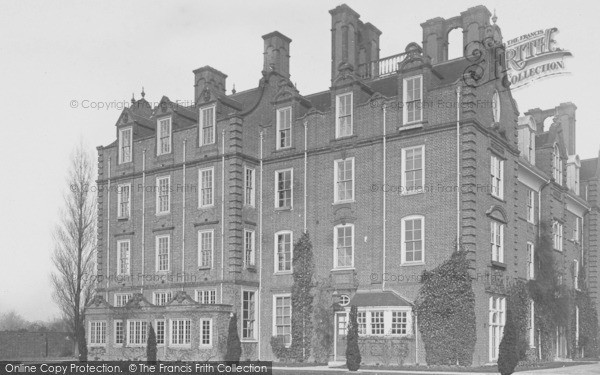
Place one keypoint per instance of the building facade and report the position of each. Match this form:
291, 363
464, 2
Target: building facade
200, 206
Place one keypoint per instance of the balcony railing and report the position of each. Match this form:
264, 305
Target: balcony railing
381, 67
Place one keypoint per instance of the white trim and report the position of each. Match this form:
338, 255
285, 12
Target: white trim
119, 243
97, 344
530, 261
168, 296
253, 338
496, 106
335, 246
156, 249
403, 260
404, 101
404, 188
274, 326
278, 128
207, 292
252, 202
123, 333
337, 114
122, 295
212, 249
276, 249
531, 206
497, 234
159, 151
120, 214
121, 131
201, 125
143, 332
336, 197
575, 274
210, 333
291, 170
171, 331
253, 243
497, 166
158, 180
164, 321
212, 187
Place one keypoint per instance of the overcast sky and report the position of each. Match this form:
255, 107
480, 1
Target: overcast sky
59, 54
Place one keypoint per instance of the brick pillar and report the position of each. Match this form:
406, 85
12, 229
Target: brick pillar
234, 200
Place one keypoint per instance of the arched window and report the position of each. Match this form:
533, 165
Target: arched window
556, 165
455, 43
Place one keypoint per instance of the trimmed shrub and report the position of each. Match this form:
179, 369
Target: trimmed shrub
353, 357
446, 312
508, 356
302, 299
234, 346
151, 345
323, 333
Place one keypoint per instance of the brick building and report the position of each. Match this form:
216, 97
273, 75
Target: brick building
199, 206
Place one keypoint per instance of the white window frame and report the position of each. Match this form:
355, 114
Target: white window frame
160, 136
365, 321
123, 333
336, 182
254, 315
164, 333
121, 299
336, 264
249, 187
497, 176
497, 240
405, 188
291, 171
157, 249
159, 210
288, 112
122, 158
202, 141
201, 202
97, 335
167, 295
406, 103
496, 106
121, 213
577, 230
274, 327
276, 251
172, 332
120, 244
530, 261
211, 232
338, 114
210, 333
209, 295
249, 261
403, 260
556, 164
143, 338
531, 206
497, 305
531, 323
557, 235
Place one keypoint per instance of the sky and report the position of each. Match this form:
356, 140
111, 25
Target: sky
68, 67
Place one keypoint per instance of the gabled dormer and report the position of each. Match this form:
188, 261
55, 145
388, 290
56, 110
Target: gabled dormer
130, 126
211, 103
347, 91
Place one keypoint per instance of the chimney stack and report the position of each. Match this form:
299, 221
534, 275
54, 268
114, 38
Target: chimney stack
277, 53
211, 78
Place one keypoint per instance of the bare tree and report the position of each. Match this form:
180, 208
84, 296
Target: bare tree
75, 244
12, 321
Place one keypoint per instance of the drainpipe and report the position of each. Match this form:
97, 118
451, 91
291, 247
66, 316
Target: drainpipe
183, 221
305, 169
416, 339
260, 217
108, 232
457, 168
143, 217
222, 212
383, 215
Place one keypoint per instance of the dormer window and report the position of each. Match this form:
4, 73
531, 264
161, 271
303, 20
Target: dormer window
496, 106
207, 125
163, 136
343, 109
125, 145
284, 127
412, 98
556, 165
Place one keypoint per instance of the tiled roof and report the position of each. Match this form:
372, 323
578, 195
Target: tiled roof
378, 298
